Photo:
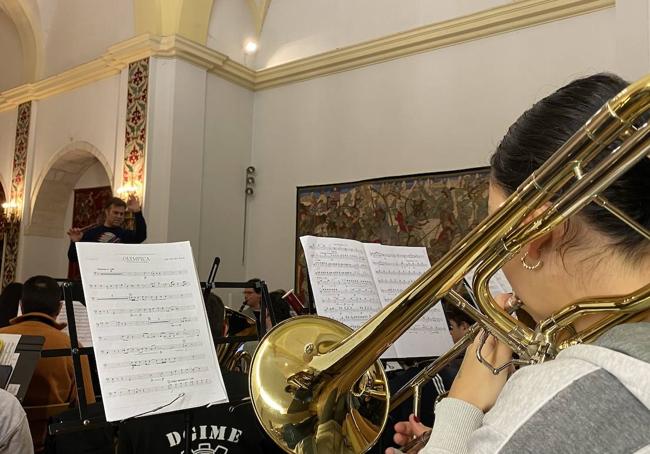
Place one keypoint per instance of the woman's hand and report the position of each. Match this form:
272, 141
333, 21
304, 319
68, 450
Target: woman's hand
405, 431
475, 383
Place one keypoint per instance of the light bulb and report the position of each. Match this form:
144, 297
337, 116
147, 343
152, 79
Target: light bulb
250, 47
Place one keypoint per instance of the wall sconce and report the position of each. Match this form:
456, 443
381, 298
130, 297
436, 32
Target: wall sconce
124, 192
129, 189
11, 211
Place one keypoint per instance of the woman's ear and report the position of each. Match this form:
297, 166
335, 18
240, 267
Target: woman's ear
534, 249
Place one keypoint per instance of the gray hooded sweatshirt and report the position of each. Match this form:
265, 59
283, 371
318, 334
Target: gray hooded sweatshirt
590, 399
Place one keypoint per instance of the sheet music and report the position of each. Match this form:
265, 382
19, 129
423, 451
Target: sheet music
394, 268
8, 355
341, 281
498, 283
149, 328
9, 344
81, 323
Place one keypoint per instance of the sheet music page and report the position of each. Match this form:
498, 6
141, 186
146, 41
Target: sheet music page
394, 268
498, 284
8, 355
341, 281
149, 328
81, 322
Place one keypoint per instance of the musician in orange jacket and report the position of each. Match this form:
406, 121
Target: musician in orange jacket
53, 381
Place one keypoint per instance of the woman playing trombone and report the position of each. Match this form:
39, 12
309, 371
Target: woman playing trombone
592, 398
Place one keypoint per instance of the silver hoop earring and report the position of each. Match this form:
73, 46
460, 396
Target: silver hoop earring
534, 267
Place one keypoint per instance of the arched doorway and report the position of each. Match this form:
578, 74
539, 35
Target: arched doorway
77, 167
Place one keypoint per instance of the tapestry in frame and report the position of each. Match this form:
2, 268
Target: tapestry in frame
87, 212
434, 210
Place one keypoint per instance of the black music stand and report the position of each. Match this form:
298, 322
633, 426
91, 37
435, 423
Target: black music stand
265, 305
29, 352
72, 290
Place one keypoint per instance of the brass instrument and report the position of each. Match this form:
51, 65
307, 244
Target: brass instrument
231, 356
317, 386
413, 388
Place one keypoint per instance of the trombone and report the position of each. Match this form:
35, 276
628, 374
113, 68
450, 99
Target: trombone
318, 386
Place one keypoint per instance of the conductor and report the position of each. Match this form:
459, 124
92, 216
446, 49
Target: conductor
111, 230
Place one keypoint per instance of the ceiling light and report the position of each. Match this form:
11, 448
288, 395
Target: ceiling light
250, 47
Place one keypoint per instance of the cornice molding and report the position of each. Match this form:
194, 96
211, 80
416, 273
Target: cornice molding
503, 19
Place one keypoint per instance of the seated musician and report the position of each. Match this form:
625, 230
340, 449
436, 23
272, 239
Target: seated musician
53, 381
280, 308
252, 301
458, 322
593, 398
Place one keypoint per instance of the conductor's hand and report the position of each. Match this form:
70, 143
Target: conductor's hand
75, 234
133, 204
405, 431
475, 383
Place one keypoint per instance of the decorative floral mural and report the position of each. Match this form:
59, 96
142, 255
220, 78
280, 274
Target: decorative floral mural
433, 210
12, 225
136, 123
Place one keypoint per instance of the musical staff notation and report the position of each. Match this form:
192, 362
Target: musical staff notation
148, 322
341, 280
155, 389
138, 311
153, 361
352, 281
149, 328
146, 349
186, 333
105, 272
138, 285
157, 375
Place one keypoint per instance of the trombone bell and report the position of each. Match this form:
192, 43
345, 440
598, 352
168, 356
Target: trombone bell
321, 417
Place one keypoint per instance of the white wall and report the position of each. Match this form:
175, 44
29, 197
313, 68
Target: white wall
297, 28
11, 54
77, 31
231, 24
176, 129
440, 110
632, 38
85, 114
46, 255
228, 133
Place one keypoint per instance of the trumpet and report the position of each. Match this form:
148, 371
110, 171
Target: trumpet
318, 386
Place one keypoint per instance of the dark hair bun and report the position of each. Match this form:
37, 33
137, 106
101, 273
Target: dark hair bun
542, 129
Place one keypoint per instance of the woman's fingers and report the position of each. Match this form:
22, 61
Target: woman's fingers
406, 430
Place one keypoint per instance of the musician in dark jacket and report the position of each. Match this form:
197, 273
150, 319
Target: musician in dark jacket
111, 231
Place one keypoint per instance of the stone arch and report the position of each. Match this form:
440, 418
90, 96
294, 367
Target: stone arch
55, 184
26, 18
